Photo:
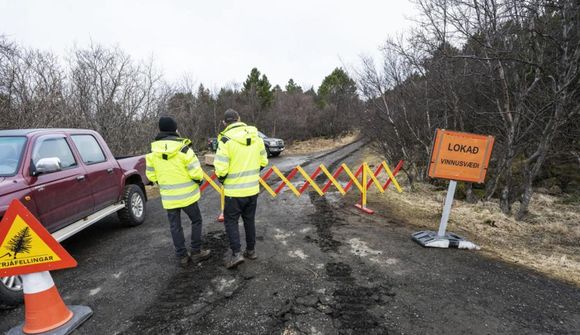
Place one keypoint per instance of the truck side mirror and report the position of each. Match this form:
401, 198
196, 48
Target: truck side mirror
47, 165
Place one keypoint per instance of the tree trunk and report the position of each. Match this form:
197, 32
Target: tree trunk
410, 178
492, 184
526, 196
505, 203
470, 197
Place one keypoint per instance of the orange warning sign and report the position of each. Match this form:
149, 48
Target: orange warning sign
26, 246
460, 156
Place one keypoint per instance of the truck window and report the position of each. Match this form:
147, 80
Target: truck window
10, 154
89, 149
54, 147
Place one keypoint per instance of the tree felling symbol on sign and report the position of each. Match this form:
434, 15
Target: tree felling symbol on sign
20, 243
26, 246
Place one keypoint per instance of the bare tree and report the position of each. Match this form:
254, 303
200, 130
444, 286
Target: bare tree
501, 67
109, 93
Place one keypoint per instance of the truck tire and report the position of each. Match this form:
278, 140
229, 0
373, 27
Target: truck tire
11, 294
134, 212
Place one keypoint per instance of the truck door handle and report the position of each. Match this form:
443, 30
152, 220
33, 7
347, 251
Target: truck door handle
110, 170
81, 178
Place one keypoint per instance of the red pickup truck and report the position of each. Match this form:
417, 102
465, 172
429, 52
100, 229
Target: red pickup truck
69, 179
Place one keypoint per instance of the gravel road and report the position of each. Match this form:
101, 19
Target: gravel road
323, 268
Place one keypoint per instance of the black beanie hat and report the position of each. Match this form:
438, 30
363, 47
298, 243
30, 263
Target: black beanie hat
231, 116
168, 124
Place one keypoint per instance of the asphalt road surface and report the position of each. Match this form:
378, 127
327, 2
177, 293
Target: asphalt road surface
323, 268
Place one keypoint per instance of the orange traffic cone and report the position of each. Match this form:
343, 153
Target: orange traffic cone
44, 309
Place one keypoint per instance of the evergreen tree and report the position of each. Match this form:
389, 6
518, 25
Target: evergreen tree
336, 86
311, 92
258, 94
21, 242
292, 87
259, 86
252, 80
338, 100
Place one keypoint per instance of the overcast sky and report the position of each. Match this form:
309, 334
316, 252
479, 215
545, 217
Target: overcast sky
215, 42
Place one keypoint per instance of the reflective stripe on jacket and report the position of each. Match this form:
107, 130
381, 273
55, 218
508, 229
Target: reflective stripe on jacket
241, 153
175, 167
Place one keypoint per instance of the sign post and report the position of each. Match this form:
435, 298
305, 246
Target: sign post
455, 156
447, 208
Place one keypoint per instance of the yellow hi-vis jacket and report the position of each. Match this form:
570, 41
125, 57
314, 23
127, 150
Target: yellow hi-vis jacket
174, 166
240, 155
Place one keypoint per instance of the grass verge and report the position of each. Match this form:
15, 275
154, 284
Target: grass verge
319, 144
546, 241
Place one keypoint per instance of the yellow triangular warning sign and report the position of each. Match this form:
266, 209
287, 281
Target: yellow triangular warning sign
26, 246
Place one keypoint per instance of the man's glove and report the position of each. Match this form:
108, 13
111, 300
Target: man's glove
262, 168
222, 179
198, 182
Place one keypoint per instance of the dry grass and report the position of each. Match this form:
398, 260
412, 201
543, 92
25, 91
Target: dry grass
319, 144
547, 241
152, 191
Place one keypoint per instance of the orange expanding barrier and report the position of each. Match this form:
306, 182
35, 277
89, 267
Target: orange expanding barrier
366, 175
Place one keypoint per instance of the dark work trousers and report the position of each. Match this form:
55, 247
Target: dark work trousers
246, 207
174, 216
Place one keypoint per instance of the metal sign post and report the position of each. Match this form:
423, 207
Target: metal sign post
447, 208
441, 239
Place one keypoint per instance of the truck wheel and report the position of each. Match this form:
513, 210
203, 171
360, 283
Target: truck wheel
275, 154
134, 212
11, 292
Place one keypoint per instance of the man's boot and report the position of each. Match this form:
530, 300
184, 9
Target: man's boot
183, 261
199, 256
250, 254
234, 259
